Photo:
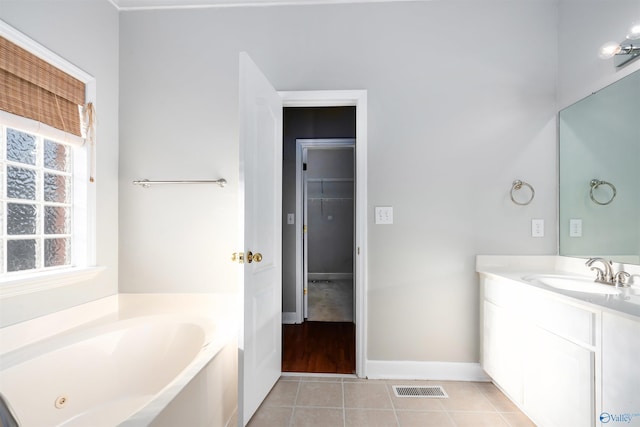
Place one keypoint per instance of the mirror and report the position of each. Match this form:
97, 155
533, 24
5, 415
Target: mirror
599, 139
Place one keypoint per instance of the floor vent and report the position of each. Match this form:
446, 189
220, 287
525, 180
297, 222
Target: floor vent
433, 391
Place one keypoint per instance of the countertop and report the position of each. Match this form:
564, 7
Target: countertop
517, 267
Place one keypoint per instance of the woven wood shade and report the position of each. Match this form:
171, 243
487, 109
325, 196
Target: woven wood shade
31, 87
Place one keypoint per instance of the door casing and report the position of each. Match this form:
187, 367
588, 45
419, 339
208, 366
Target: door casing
343, 98
302, 260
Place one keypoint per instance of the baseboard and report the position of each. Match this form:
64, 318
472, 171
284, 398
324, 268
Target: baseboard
329, 276
442, 371
289, 318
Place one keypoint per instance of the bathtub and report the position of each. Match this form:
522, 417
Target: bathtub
111, 372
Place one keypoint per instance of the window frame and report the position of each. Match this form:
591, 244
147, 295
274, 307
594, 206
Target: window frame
83, 245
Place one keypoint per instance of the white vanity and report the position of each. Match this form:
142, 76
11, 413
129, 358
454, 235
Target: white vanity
567, 358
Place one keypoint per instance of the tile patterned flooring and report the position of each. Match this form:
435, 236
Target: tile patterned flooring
334, 401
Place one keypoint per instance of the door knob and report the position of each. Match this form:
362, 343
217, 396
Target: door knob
257, 257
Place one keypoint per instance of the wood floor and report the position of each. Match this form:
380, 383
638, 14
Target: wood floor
319, 347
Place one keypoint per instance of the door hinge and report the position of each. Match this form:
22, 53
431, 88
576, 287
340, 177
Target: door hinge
304, 166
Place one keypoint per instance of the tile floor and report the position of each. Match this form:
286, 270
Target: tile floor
342, 402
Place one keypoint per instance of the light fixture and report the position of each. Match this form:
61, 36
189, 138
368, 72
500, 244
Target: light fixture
625, 51
611, 49
634, 31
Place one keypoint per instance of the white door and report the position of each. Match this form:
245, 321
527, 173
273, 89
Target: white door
260, 340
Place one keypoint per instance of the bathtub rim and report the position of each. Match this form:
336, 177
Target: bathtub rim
94, 329
220, 332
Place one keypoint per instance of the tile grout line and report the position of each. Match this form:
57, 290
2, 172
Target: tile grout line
387, 387
504, 419
478, 391
344, 404
295, 403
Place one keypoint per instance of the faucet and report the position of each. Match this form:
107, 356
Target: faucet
7, 417
603, 276
607, 276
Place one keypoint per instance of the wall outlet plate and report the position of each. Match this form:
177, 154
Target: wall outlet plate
384, 215
575, 227
537, 228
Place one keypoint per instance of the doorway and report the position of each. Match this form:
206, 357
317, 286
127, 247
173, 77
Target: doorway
319, 239
327, 199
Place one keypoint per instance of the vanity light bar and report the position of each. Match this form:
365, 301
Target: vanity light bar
625, 51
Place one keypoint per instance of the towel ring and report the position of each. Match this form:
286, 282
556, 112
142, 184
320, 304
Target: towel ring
517, 185
595, 183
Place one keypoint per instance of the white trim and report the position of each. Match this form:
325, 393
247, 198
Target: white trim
290, 318
208, 4
25, 42
302, 274
440, 371
357, 98
329, 276
300, 219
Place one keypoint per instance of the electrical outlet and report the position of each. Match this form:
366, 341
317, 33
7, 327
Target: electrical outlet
537, 228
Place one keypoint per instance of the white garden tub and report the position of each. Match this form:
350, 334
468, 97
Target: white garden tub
107, 373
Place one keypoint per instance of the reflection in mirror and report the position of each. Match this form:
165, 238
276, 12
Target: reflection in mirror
599, 139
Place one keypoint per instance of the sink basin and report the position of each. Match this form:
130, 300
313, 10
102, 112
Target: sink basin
573, 283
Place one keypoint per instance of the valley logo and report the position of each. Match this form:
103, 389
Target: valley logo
606, 417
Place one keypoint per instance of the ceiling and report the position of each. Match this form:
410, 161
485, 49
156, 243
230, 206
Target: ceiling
189, 4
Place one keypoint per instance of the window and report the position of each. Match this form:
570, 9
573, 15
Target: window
47, 202
37, 201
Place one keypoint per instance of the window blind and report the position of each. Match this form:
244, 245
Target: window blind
31, 87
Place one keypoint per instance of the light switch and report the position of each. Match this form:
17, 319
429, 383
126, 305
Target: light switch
291, 218
537, 228
384, 215
575, 228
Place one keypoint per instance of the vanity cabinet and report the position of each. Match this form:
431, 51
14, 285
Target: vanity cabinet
558, 381
620, 370
540, 351
502, 353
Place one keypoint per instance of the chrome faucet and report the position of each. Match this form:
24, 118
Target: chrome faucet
602, 276
607, 276
7, 417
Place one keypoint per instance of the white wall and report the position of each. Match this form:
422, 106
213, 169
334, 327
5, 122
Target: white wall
85, 33
461, 102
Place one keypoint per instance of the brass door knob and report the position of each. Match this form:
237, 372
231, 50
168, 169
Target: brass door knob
257, 257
